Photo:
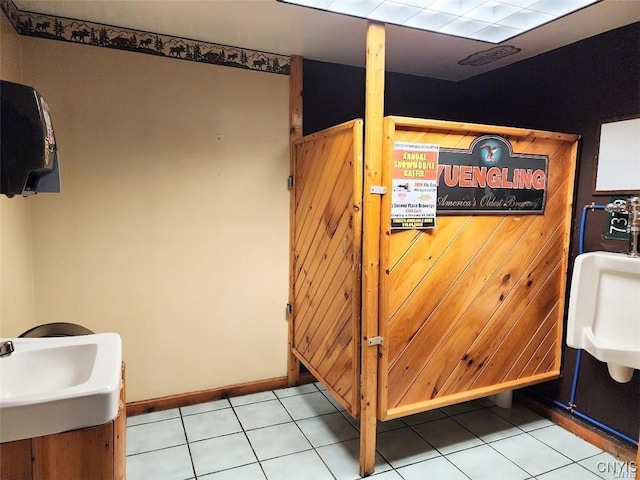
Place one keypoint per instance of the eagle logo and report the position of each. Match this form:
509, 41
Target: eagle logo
491, 155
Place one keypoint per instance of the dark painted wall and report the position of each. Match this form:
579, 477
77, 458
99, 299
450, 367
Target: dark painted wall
572, 90
335, 93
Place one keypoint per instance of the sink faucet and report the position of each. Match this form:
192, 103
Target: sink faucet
6, 348
631, 206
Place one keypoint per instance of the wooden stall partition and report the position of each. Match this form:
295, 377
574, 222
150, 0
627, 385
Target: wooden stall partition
475, 305
326, 269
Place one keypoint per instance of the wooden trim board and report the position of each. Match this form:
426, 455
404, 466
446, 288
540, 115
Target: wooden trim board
192, 398
580, 428
295, 132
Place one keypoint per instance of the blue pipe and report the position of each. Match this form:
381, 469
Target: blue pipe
574, 385
605, 427
583, 222
588, 419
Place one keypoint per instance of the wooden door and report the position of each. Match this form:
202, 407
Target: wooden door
326, 234
475, 305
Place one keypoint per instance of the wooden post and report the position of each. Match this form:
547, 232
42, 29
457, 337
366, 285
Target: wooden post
374, 112
295, 132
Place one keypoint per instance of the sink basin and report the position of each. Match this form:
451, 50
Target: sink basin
52, 385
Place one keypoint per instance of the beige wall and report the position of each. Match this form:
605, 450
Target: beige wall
172, 225
16, 269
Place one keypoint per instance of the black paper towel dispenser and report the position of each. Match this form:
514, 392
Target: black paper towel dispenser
29, 155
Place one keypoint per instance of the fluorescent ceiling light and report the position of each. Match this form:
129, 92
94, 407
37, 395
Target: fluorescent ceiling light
492, 21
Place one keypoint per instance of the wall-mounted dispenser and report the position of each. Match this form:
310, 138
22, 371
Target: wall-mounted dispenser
29, 154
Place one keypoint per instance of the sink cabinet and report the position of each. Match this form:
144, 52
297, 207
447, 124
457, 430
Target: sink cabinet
94, 453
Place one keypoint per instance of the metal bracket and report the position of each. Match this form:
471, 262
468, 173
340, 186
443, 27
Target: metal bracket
375, 341
289, 309
290, 181
378, 189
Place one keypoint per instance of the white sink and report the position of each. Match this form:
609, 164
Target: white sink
52, 385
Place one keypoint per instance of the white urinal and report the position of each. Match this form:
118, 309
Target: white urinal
604, 310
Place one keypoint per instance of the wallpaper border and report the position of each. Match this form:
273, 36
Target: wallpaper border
51, 27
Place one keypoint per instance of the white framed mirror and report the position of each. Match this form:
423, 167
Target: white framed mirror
618, 160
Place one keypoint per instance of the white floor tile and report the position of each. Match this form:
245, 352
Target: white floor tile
291, 391
304, 465
484, 463
609, 467
522, 417
327, 429
155, 436
447, 436
211, 424
487, 425
248, 472
303, 433
388, 475
252, 398
463, 407
435, 469
278, 440
343, 459
423, 417
308, 405
566, 442
404, 446
262, 414
388, 425
205, 407
153, 417
333, 401
570, 472
221, 453
168, 464
530, 454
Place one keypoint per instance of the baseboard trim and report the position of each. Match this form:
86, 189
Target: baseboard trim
582, 429
185, 399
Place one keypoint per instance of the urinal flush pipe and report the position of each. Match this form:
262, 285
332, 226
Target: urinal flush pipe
630, 206
583, 222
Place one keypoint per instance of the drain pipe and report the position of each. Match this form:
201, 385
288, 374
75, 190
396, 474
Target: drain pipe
571, 406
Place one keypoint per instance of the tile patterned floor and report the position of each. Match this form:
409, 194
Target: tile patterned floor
301, 433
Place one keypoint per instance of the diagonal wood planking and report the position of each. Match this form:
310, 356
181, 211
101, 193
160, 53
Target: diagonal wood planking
327, 246
476, 303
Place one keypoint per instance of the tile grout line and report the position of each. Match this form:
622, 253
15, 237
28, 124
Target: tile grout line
313, 448
344, 413
244, 431
186, 437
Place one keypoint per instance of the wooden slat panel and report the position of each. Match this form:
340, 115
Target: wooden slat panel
327, 259
461, 303
495, 297
495, 373
317, 276
523, 317
334, 174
